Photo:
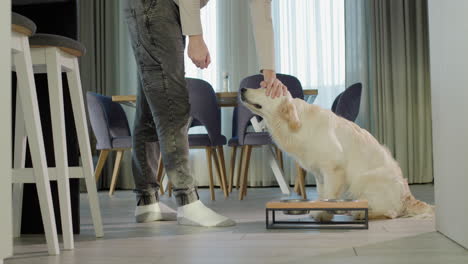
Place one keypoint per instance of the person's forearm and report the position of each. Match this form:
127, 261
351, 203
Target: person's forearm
196, 37
190, 17
260, 11
198, 51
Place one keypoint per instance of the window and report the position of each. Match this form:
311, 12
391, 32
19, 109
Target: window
210, 34
310, 44
309, 41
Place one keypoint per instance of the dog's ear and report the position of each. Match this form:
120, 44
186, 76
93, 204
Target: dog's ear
289, 113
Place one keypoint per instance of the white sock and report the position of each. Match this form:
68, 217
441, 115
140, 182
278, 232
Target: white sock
154, 212
197, 214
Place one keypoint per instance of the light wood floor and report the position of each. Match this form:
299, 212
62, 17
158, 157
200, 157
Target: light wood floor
386, 241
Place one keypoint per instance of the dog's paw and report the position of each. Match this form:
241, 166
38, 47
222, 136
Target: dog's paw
321, 216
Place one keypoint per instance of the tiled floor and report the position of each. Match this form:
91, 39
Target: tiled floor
386, 241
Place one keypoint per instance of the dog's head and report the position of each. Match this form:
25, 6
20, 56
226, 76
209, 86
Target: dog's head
271, 108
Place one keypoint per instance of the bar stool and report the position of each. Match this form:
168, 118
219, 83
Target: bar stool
53, 55
28, 123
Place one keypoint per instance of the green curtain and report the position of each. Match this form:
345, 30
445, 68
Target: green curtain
387, 50
102, 31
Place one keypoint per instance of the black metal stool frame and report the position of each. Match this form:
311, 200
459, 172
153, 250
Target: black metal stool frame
357, 224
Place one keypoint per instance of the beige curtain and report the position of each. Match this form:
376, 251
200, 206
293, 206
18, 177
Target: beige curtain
387, 50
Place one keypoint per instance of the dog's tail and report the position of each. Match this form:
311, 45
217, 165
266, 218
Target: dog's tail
418, 209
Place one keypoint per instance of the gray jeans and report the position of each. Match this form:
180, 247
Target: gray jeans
163, 107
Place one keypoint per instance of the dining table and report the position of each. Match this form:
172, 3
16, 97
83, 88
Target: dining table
225, 99
229, 99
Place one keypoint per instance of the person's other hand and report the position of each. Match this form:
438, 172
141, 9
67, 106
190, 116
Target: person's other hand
274, 87
198, 52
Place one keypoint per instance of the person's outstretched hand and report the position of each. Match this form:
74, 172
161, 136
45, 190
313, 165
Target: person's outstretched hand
274, 87
198, 52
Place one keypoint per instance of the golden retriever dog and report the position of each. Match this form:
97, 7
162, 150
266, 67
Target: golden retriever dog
346, 160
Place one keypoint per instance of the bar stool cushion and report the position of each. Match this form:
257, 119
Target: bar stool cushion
22, 24
68, 45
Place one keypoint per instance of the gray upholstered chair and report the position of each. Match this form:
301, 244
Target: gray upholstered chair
112, 132
347, 103
335, 103
248, 140
205, 111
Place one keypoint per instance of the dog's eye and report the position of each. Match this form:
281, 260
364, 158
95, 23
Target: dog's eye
257, 106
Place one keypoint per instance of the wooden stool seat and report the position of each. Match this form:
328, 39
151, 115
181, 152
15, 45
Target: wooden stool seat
22, 25
65, 44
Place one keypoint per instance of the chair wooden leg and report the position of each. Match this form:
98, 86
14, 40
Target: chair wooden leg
101, 162
160, 174
214, 155
241, 172
303, 184
279, 156
300, 181
210, 171
232, 168
297, 185
245, 171
118, 159
218, 159
169, 187
239, 168
297, 188
222, 161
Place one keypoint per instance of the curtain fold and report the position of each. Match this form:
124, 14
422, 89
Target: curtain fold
387, 50
310, 40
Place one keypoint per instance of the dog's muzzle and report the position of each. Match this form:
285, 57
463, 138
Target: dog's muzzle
244, 99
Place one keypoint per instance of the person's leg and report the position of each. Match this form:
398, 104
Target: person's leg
159, 50
144, 139
144, 165
145, 148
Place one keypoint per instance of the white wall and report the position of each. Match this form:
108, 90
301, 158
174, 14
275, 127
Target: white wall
5, 132
448, 24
